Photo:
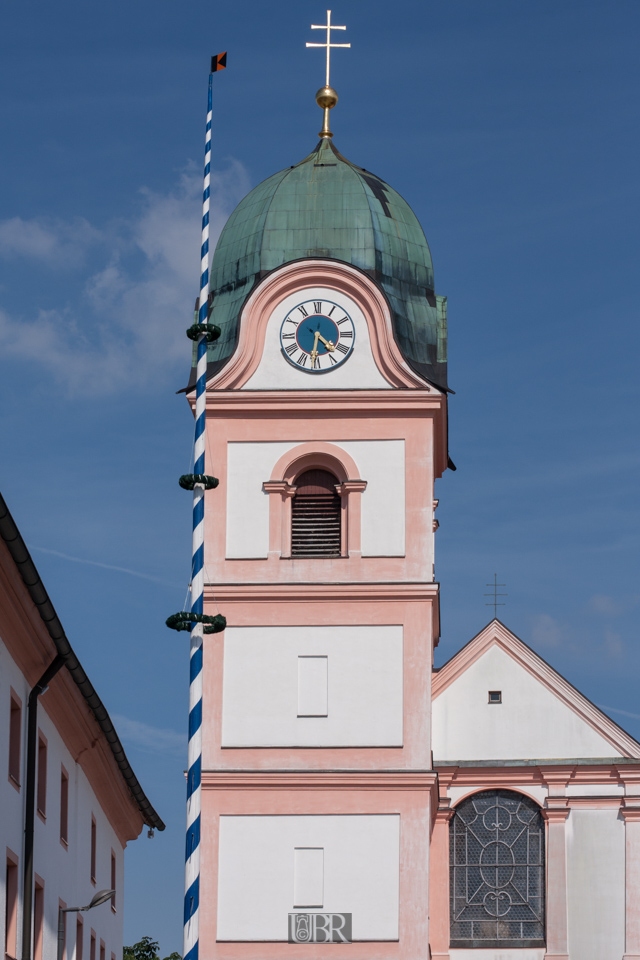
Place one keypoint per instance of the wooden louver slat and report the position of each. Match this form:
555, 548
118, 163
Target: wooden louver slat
315, 516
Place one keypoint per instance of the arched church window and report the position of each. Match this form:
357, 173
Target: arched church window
496, 850
315, 516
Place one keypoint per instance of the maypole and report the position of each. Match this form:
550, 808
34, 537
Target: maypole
203, 333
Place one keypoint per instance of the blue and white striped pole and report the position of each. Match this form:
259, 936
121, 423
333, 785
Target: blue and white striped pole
192, 853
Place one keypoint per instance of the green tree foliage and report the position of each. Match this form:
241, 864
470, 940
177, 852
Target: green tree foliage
146, 949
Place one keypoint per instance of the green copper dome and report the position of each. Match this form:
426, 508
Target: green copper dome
327, 207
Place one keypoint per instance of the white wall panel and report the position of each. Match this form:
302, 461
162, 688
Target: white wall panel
596, 884
260, 706
382, 464
313, 686
308, 876
248, 466
256, 888
275, 373
530, 723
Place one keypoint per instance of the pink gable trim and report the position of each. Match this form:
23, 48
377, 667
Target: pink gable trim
496, 634
315, 273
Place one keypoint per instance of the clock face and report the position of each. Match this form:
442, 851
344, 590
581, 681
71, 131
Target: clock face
317, 336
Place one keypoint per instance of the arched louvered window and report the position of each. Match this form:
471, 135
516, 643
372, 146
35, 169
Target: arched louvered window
315, 516
496, 869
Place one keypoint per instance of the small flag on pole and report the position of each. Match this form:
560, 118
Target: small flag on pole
219, 62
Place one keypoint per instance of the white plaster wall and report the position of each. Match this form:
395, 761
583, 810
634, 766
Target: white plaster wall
260, 686
530, 723
256, 873
595, 790
248, 466
380, 462
65, 871
596, 884
358, 372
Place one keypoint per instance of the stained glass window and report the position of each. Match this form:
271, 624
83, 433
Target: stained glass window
496, 857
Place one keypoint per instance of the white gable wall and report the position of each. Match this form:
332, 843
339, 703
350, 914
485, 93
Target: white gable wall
530, 723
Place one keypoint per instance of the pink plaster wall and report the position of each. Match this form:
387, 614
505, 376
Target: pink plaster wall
410, 796
413, 606
351, 590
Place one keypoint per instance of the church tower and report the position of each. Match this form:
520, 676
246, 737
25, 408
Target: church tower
326, 408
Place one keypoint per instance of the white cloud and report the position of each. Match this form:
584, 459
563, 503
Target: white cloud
48, 242
613, 645
610, 606
150, 739
127, 322
546, 632
601, 603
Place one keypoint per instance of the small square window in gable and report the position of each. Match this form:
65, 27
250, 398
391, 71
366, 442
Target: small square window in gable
495, 696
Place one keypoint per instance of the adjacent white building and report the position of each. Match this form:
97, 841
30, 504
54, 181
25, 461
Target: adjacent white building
87, 802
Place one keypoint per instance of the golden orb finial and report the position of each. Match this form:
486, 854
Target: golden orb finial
326, 98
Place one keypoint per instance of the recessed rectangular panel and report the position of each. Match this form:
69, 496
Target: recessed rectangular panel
313, 692
346, 863
308, 876
276, 695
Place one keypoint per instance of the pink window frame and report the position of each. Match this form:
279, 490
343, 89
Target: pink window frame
281, 489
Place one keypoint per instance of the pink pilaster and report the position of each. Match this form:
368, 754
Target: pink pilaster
556, 813
439, 883
631, 815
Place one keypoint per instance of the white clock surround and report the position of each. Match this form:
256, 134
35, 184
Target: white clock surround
358, 371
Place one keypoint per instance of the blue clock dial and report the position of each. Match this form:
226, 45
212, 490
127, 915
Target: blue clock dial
317, 335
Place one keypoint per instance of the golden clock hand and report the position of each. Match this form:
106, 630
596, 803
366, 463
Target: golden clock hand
328, 344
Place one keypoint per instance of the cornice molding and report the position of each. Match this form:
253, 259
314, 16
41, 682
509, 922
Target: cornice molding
340, 401
300, 592
312, 780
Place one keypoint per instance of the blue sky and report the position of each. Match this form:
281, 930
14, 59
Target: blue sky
511, 128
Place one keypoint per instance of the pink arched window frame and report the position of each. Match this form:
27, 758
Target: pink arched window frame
281, 489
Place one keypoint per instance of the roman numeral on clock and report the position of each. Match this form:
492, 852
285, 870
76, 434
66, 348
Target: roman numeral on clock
344, 320
288, 336
346, 335
303, 311
291, 349
302, 360
341, 347
317, 306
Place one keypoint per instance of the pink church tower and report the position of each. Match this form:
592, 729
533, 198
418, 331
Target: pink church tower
327, 428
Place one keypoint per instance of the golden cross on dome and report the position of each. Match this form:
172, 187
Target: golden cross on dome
328, 26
